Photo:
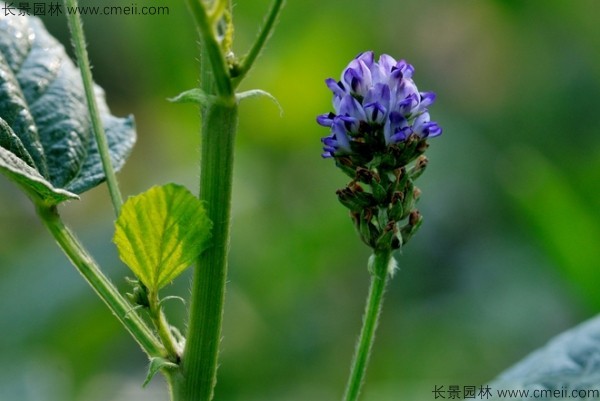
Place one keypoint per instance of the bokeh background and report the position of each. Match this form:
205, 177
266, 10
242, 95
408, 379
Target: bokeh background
507, 257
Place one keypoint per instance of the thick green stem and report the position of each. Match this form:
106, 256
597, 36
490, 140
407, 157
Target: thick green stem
211, 49
200, 358
78, 38
379, 277
100, 283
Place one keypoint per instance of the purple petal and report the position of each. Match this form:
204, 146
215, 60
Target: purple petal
406, 88
420, 123
407, 69
407, 105
380, 93
394, 123
431, 130
353, 78
387, 62
336, 87
367, 79
339, 131
325, 119
400, 135
366, 57
350, 123
427, 99
420, 120
375, 112
351, 107
329, 141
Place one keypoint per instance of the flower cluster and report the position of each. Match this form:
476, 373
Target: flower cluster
380, 125
376, 103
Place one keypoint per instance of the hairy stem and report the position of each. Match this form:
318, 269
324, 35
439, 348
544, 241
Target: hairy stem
100, 283
259, 43
211, 49
379, 277
163, 328
200, 358
78, 38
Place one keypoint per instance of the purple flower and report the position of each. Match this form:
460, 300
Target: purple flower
377, 105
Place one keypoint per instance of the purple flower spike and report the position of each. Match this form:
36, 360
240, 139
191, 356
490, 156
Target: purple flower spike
376, 104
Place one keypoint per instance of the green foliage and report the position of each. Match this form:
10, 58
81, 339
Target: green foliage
46, 139
160, 232
568, 362
156, 364
195, 95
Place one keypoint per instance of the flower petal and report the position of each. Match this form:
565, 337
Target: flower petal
336, 87
351, 107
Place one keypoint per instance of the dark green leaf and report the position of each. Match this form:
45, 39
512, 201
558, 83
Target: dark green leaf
44, 119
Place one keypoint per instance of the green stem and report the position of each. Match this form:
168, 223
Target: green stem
379, 278
259, 43
200, 358
76, 28
163, 328
211, 49
100, 283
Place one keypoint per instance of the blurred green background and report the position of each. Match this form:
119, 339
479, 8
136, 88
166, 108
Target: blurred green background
507, 258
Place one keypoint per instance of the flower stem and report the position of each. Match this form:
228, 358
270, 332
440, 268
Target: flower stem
200, 358
379, 278
77, 35
100, 283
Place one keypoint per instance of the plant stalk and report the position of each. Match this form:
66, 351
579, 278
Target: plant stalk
163, 328
100, 283
200, 358
263, 35
379, 278
78, 38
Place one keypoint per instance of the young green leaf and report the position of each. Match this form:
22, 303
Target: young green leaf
160, 232
195, 95
44, 118
156, 364
257, 93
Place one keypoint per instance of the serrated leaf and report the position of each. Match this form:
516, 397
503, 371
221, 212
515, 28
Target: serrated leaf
44, 116
160, 232
156, 364
570, 361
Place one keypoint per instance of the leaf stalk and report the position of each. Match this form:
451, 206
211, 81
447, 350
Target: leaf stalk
78, 38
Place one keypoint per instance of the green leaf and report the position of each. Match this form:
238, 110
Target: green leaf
29, 178
195, 95
257, 93
44, 121
160, 232
156, 364
570, 361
